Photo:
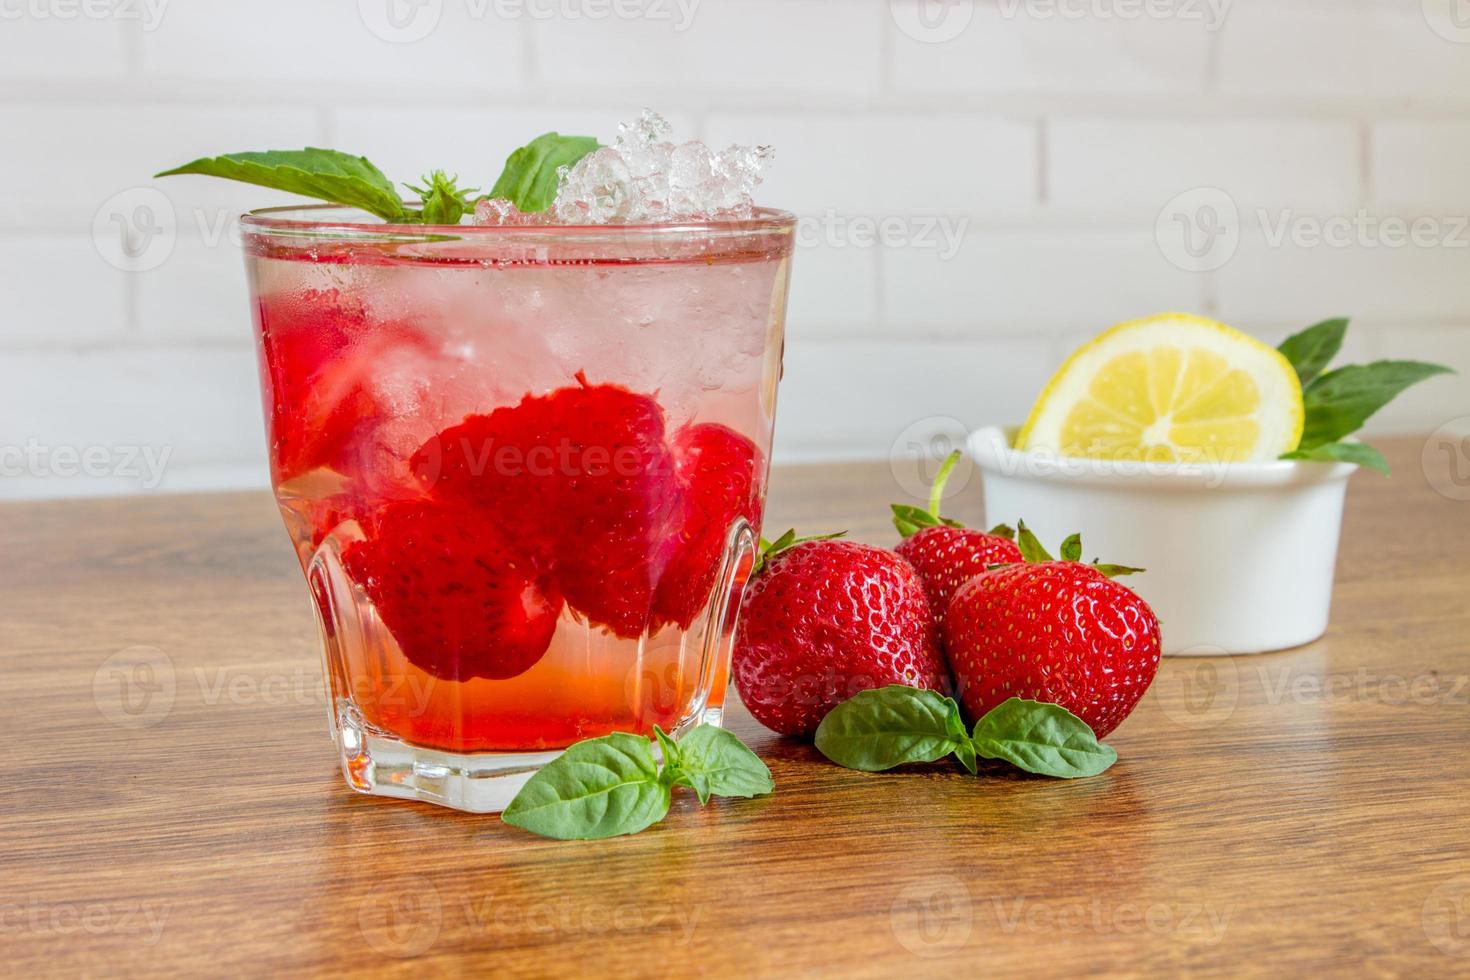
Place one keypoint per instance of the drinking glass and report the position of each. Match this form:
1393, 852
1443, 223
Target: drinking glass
523, 468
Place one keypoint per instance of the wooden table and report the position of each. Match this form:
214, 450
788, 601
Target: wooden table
1304, 811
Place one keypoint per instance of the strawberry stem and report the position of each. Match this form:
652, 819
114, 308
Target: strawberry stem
936, 492
770, 549
909, 520
1033, 551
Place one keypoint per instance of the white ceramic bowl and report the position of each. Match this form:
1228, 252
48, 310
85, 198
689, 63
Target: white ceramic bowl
1239, 556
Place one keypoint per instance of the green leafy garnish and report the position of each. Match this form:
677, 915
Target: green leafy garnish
714, 762
528, 180
1310, 350
893, 726
1046, 739
328, 175
1338, 402
530, 174
443, 202
608, 786
1343, 452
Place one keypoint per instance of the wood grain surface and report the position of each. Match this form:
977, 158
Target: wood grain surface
1293, 813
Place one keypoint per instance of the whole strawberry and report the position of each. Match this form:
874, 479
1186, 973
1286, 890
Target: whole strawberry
580, 480
1057, 631
825, 619
945, 553
460, 602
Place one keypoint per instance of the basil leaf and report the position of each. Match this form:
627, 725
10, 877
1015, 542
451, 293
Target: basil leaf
601, 787
713, 761
890, 726
1343, 452
1311, 350
670, 750
964, 749
1046, 739
1340, 401
327, 175
529, 178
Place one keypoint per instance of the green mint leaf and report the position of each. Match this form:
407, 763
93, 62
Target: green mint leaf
890, 726
529, 178
712, 761
1340, 401
1046, 739
1072, 548
327, 175
1031, 548
601, 787
1343, 452
1310, 351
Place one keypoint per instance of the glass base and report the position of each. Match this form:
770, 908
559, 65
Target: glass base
379, 764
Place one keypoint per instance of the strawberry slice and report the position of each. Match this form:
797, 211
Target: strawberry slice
719, 471
459, 600
301, 336
333, 378
579, 479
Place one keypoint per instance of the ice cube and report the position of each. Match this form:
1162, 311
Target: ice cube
499, 211
645, 178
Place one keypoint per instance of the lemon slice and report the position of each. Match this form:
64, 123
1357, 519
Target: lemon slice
1169, 388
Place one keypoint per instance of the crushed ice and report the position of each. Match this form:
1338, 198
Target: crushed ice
644, 177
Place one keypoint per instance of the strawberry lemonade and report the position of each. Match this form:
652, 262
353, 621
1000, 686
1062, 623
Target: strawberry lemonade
523, 463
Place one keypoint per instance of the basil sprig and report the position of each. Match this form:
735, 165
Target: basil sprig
1339, 401
896, 725
528, 179
608, 786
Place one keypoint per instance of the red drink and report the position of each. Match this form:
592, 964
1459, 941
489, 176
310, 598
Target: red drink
523, 468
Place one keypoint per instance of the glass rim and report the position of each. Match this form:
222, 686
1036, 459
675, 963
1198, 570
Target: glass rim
274, 221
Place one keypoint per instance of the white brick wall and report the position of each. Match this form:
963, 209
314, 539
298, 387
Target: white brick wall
1043, 137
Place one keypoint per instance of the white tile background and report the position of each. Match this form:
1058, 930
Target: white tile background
1049, 135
